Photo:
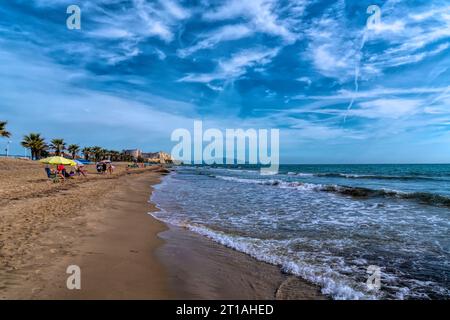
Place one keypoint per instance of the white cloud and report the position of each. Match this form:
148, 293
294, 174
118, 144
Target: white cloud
175, 10
387, 108
431, 13
332, 47
161, 55
259, 13
71, 112
236, 66
338, 50
306, 80
135, 23
314, 131
127, 28
209, 40
110, 33
374, 93
412, 37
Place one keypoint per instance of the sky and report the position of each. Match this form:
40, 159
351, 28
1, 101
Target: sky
338, 90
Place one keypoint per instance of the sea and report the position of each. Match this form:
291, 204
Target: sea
341, 227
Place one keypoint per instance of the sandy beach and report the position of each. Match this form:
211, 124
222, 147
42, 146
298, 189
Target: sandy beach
101, 224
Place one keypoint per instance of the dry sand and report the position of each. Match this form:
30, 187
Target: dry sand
101, 224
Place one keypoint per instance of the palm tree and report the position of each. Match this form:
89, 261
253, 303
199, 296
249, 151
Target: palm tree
35, 143
125, 157
58, 145
104, 153
87, 153
3, 132
73, 149
98, 153
115, 155
109, 154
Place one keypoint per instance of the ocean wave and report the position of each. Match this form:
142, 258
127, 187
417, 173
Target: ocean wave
251, 181
364, 176
423, 197
301, 174
373, 177
357, 192
332, 283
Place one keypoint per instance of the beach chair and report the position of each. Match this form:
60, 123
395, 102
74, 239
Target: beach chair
54, 177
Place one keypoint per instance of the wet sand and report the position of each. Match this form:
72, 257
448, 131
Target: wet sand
199, 268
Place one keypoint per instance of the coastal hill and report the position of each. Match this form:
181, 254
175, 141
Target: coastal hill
153, 157
158, 157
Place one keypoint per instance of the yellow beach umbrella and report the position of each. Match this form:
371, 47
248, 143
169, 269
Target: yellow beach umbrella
58, 160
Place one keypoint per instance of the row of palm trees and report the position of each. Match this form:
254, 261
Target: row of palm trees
39, 148
98, 153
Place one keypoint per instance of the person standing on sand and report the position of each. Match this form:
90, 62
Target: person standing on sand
48, 171
110, 168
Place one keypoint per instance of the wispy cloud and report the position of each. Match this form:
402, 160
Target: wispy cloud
260, 14
387, 108
234, 67
374, 93
335, 47
210, 39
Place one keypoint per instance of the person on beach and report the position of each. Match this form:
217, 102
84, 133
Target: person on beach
48, 171
110, 168
59, 172
80, 171
62, 171
99, 168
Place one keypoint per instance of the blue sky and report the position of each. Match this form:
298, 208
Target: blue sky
137, 70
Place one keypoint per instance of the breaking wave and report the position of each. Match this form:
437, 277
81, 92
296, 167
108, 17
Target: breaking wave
358, 192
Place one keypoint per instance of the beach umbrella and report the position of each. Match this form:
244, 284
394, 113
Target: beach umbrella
58, 160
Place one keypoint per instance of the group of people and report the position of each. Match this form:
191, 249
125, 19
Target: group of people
105, 167
62, 173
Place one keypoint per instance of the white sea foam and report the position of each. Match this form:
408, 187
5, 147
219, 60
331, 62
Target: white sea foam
275, 182
340, 235
301, 174
331, 282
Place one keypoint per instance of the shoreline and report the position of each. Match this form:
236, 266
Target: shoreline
211, 271
108, 235
123, 252
118, 259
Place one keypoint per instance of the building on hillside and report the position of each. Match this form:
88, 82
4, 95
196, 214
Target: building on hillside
157, 157
135, 153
